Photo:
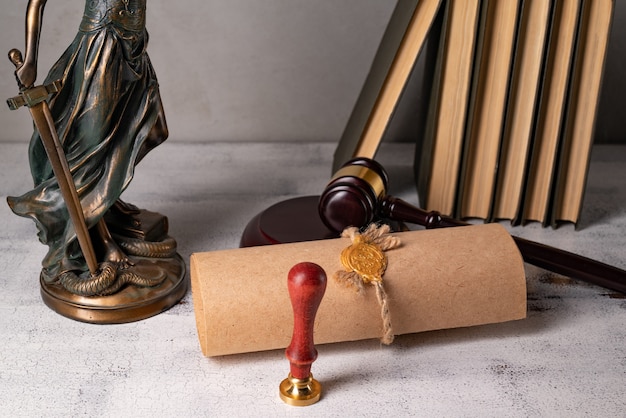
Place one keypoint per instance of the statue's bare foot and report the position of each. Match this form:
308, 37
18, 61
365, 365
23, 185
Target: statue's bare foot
115, 255
112, 252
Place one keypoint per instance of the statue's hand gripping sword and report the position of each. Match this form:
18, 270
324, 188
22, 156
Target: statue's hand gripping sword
35, 99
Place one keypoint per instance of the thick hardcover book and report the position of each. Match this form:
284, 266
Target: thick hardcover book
487, 109
521, 110
144, 224
438, 158
581, 112
548, 130
393, 63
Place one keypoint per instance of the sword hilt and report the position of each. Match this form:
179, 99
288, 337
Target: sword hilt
33, 95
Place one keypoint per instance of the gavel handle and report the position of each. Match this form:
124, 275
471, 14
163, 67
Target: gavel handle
540, 255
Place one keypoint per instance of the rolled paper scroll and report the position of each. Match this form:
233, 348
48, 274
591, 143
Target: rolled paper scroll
436, 279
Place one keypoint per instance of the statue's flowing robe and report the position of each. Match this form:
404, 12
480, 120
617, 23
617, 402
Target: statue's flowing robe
103, 114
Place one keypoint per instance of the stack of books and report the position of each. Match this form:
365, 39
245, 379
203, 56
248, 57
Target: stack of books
512, 108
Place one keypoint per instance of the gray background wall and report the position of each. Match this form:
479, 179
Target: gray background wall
250, 70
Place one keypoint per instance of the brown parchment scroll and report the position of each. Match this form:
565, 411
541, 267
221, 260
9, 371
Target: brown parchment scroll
436, 279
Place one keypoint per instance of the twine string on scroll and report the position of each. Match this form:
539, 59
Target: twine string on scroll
365, 263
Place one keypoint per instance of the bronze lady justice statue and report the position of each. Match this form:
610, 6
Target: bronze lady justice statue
107, 115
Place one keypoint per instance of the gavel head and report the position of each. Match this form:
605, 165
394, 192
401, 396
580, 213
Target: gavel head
351, 197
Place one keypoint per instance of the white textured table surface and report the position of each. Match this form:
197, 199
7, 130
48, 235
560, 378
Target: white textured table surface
568, 358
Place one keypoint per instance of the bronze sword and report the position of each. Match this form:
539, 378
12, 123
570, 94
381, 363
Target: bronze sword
35, 99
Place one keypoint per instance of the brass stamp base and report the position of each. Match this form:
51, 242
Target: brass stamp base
129, 304
300, 392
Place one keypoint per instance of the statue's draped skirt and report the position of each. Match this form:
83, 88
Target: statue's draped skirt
103, 114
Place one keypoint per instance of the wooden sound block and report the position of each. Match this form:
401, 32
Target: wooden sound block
292, 220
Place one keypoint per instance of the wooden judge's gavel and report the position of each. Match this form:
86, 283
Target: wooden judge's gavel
357, 195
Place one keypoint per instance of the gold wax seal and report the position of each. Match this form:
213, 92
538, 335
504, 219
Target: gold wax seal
366, 259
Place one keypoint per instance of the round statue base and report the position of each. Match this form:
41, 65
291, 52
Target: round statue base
130, 303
